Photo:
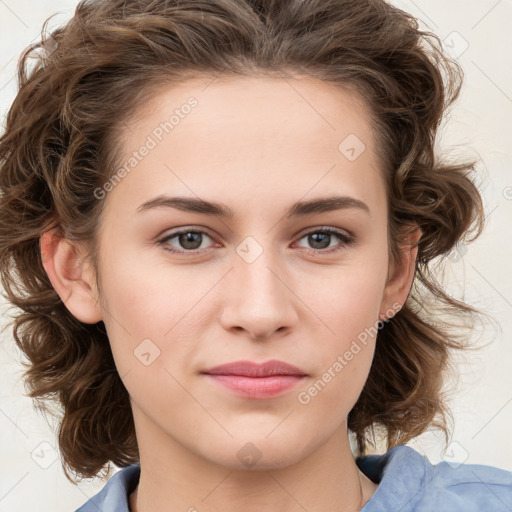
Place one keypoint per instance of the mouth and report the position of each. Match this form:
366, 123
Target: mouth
251, 369
258, 381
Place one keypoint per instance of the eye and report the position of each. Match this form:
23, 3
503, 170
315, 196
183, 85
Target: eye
320, 239
189, 241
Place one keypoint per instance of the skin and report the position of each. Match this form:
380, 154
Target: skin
258, 145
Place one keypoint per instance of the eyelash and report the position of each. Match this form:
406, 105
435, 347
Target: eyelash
346, 240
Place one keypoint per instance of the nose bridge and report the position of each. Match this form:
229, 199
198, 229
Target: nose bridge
257, 267
259, 301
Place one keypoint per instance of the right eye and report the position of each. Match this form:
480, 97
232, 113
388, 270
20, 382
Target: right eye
190, 241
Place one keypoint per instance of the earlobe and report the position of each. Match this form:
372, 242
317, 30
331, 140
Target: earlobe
71, 276
401, 278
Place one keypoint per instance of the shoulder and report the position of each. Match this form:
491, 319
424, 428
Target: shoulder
471, 487
409, 482
114, 496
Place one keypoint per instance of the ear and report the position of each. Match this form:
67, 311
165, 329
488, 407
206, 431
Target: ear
71, 276
401, 275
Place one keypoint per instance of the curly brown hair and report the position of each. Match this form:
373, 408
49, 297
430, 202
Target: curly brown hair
62, 140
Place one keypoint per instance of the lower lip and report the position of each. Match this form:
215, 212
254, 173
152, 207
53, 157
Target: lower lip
257, 387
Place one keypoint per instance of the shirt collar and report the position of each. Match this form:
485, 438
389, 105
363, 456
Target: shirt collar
401, 473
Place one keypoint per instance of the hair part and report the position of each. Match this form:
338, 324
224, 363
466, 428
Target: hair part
63, 139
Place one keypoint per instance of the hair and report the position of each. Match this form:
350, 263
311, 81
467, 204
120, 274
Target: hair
63, 139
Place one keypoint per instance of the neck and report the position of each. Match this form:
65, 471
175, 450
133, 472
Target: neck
174, 478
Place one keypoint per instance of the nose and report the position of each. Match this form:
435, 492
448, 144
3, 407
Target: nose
259, 300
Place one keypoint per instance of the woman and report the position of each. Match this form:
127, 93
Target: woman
218, 221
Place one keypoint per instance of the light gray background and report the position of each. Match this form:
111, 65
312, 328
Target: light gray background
477, 32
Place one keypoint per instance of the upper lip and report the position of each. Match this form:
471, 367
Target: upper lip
251, 369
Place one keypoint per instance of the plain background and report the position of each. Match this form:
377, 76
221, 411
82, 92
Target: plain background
477, 33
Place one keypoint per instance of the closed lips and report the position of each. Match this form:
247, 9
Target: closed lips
256, 370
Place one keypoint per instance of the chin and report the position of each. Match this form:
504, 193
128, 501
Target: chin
260, 454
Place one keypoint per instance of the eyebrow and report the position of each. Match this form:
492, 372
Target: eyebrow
298, 209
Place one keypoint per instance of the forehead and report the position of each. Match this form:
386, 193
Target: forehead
260, 110
248, 136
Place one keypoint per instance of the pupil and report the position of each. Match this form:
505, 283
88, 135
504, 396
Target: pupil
323, 237
189, 240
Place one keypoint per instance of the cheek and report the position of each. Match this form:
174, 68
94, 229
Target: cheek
147, 299
344, 352
347, 351
349, 308
348, 298
155, 314
134, 312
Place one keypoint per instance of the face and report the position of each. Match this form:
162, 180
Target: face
257, 285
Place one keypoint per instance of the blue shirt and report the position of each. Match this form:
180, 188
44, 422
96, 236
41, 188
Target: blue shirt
407, 482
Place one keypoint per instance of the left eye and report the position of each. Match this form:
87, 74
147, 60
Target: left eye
191, 240
323, 237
